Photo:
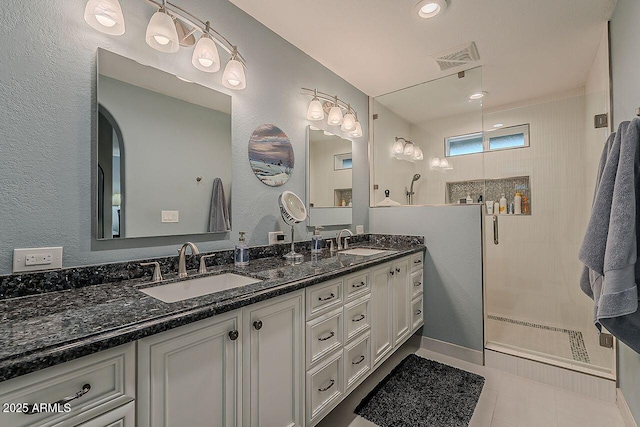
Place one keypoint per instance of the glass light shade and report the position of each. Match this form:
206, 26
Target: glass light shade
315, 111
435, 163
233, 76
335, 116
105, 16
348, 123
444, 164
397, 148
357, 132
205, 55
408, 149
417, 153
162, 34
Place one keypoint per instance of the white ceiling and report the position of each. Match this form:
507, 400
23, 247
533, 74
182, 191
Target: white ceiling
528, 48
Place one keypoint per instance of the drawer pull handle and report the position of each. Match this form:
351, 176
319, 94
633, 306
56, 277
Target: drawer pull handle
418, 261
331, 335
360, 360
418, 313
257, 324
233, 335
397, 270
358, 319
418, 284
331, 383
85, 390
359, 286
330, 297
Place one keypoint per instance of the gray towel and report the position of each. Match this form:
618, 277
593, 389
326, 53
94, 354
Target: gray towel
219, 214
610, 246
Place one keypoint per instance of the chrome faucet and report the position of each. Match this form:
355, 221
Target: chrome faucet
182, 265
339, 238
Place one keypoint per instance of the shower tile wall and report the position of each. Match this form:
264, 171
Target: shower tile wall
491, 189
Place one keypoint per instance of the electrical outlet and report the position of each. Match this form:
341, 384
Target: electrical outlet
37, 259
276, 237
359, 229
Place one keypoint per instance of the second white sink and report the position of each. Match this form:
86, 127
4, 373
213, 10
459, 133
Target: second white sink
365, 251
180, 291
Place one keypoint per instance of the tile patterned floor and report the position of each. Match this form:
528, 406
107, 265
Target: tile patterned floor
506, 401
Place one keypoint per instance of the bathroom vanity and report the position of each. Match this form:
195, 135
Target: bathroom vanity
281, 351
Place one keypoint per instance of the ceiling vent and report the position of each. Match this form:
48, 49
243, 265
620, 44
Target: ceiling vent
457, 56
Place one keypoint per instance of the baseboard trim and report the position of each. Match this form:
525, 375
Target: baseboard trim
627, 416
453, 350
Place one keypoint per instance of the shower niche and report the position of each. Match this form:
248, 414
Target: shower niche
491, 190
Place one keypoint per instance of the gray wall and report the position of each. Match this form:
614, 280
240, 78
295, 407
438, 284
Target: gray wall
452, 270
625, 63
47, 108
168, 142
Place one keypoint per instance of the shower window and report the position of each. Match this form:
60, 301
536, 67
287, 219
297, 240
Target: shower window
493, 140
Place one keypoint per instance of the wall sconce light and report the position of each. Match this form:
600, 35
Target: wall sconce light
323, 103
403, 149
170, 28
440, 164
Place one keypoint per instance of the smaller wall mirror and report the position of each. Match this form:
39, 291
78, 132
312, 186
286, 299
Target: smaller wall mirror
329, 178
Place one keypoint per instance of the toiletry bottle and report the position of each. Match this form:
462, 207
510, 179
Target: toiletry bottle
490, 207
469, 199
316, 241
517, 204
526, 207
496, 208
242, 252
503, 204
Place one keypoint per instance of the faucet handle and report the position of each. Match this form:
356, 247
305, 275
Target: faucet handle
157, 275
203, 263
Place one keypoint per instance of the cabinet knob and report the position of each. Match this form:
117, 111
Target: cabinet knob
392, 272
257, 324
397, 270
233, 335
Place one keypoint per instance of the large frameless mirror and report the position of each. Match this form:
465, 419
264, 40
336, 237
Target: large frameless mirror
163, 153
329, 178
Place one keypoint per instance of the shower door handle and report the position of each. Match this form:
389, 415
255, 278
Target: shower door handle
495, 230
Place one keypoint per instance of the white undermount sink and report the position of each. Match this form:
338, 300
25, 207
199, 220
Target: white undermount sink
180, 291
365, 251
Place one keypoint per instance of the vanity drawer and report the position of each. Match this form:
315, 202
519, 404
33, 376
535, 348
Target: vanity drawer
417, 261
324, 336
417, 313
323, 297
417, 284
356, 285
324, 388
357, 315
357, 360
110, 376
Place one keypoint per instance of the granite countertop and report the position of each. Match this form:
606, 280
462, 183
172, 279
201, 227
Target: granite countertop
43, 330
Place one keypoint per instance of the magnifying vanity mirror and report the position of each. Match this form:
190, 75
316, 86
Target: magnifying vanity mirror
293, 211
329, 178
163, 153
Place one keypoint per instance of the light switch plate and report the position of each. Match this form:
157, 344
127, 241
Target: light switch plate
359, 229
170, 216
37, 259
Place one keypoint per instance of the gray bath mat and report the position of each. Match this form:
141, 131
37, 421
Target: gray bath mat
421, 392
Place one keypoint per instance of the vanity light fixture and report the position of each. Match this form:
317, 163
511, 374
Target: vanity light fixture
477, 95
403, 149
430, 8
440, 164
169, 28
323, 103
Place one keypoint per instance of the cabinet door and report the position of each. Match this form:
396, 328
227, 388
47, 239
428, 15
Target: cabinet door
273, 362
124, 416
381, 298
401, 290
190, 376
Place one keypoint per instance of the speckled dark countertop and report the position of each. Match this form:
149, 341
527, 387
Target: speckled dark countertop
43, 330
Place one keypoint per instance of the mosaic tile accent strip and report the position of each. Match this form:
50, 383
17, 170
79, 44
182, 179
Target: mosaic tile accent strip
490, 189
576, 342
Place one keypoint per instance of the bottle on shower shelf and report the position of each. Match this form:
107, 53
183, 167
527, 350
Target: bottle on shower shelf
503, 204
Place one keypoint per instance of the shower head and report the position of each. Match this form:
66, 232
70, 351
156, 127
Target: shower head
416, 177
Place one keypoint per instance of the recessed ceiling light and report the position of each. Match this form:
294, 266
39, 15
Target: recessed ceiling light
498, 125
477, 95
430, 8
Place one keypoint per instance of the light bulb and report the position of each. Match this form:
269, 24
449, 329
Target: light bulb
315, 111
417, 153
335, 116
348, 123
430, 8
162, 34
397, 147
357, 132
205, 55
105, 16
408, 149
233, 77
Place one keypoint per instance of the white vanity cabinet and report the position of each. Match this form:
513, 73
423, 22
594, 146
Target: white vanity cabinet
102, 386
190, 376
